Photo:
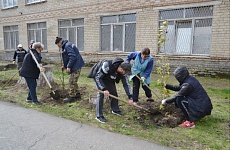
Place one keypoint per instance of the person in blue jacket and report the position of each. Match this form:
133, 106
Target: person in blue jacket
191, 98
142, 67
73, 62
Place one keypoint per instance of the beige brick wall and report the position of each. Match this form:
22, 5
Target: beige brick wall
91, 10
221, 30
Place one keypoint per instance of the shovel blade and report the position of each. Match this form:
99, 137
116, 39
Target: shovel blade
55, 94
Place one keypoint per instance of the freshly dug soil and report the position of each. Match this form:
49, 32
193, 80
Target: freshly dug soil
168, 116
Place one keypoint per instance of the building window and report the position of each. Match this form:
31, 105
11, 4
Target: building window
38, 33
11, 38
72, 30
189, 31
9, 3
118, 33
34, 1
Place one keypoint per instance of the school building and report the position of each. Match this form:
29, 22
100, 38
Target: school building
197, 34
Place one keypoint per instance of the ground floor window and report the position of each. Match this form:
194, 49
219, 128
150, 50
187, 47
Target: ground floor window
118, 33
72, 30
189, 31
38, 33
9, 3
11, 38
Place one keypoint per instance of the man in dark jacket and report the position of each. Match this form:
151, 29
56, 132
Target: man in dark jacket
192, 99
105, 74
20, 53
73, 63
30, 71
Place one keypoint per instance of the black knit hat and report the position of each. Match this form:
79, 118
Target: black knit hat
126, 67
58, 39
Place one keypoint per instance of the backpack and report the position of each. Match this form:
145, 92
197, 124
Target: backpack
95, 68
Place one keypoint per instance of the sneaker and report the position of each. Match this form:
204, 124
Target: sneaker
101, 119
187, 124
29, 100
37, 103
69, 100
149, 99
119, 113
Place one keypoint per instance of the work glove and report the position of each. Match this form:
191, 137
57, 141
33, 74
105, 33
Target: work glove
163, 102
42, 69
143, 79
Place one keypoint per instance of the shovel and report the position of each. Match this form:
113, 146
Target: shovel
142, 108
10, 79
148, 87
54, 94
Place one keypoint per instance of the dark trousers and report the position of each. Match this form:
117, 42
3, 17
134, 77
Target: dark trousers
136, 87
32, 85
182, 103
111, 87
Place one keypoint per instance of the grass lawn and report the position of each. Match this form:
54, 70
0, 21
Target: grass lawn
211, 132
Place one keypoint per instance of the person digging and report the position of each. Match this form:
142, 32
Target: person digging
105, 74
73, 62
192, 99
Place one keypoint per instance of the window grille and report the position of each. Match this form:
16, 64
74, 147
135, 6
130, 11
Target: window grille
189, 31
9, 3
118, 33
73, 31
11, 37
38, 33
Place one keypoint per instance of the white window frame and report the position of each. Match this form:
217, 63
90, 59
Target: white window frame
34, 1
76, 30
192, 19
6, 3
123, 24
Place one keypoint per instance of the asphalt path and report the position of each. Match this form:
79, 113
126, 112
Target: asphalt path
27, 129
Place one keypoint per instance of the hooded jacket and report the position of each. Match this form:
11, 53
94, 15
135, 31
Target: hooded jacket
199, 103
106, 71
71, 57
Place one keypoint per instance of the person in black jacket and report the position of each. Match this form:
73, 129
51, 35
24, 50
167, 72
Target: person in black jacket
105, 74
192, 99
19, 55
30, 71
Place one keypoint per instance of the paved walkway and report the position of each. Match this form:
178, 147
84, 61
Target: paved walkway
28, 129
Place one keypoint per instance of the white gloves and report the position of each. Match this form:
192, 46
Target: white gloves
143, 79
13, 62
163, 101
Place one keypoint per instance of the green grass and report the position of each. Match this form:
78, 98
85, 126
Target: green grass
211, 132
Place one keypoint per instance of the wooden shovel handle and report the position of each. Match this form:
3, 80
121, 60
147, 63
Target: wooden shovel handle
125, 101
148, 87
41, 72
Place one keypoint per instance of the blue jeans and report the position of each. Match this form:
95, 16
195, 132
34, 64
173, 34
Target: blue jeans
32, 85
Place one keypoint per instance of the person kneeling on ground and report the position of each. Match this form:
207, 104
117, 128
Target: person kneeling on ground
30, 71
105, 74
192, 99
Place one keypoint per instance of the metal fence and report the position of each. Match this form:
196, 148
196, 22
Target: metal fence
189, 31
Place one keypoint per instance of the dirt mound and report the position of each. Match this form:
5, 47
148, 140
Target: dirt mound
168, 116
